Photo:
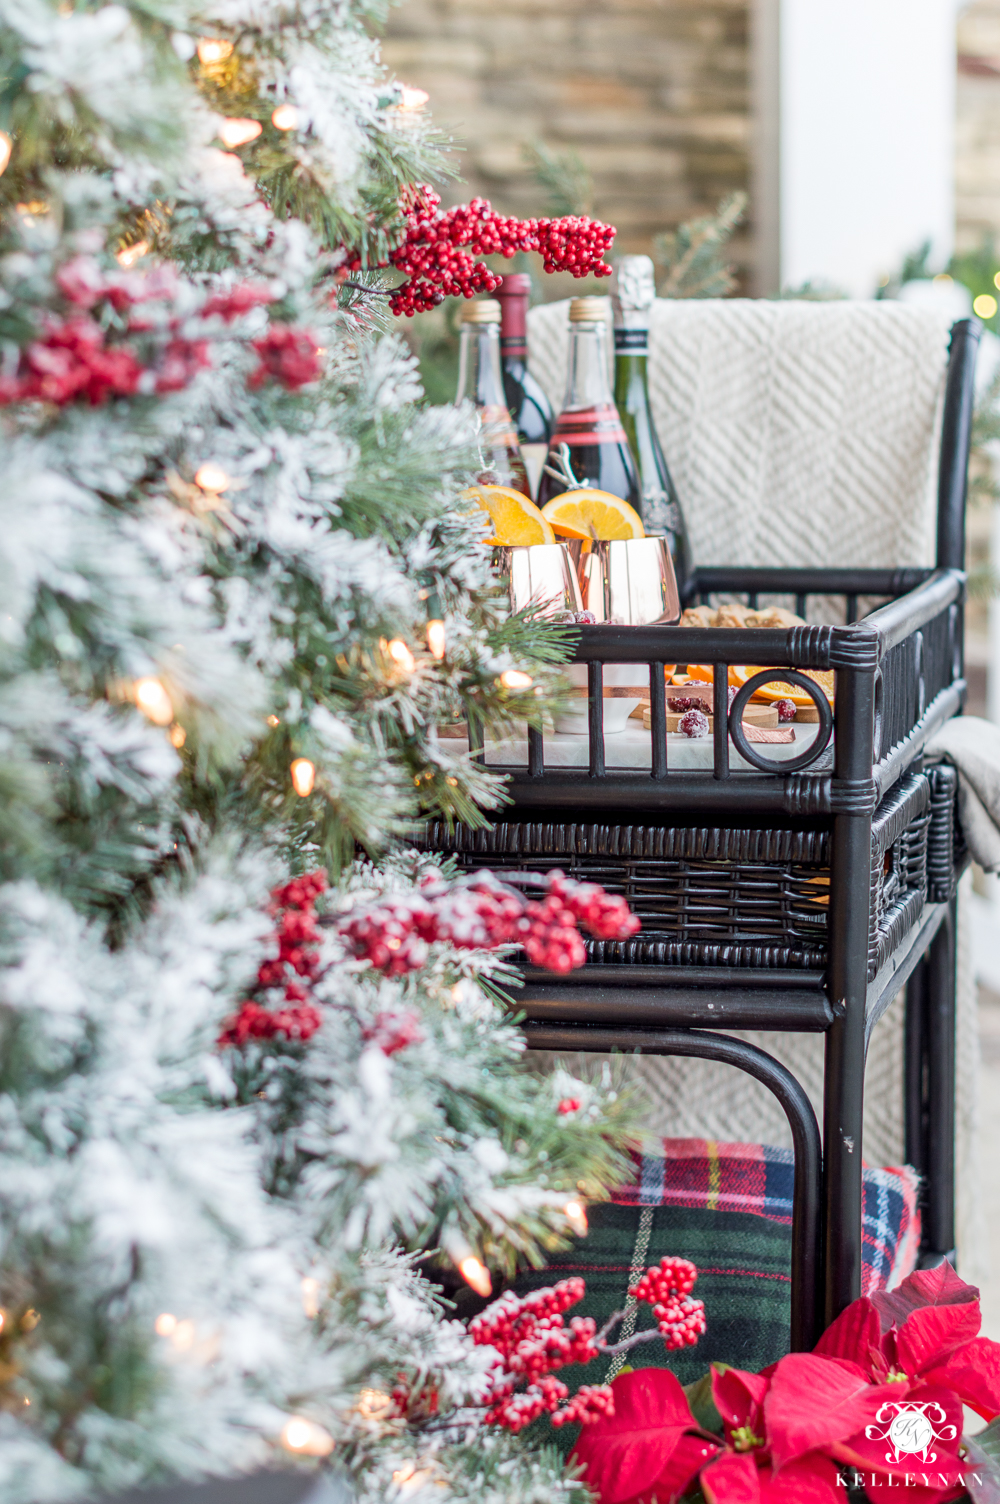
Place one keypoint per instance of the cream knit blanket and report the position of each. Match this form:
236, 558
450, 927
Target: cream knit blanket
798, 434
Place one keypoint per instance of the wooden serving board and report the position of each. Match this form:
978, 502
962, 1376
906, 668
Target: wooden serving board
753, 715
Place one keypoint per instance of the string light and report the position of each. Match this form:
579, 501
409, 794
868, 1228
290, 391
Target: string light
6, 147
239, 131
285, 118
304, 1436
985, 306
213, 50
576, 1215
476, 1274
372, 1403
413, 99
130, 254
178, 736
512, 678
273, 720
165, 1324
401, 655
303, 776
29, 1321
182, 1335
3, 1320
310, 1296
211, 478
436, 638
153, 700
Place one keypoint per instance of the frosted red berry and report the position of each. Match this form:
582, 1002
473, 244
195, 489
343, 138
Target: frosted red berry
693, 723
786, 710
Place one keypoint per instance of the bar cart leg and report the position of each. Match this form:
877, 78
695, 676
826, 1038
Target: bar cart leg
939, 1209
844, 1082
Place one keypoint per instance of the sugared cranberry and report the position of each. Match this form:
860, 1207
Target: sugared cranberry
694, 723
786, 710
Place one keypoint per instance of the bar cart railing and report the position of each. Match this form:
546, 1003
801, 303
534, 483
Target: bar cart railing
779, 895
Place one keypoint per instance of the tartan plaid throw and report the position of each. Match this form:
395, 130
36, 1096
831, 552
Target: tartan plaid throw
728, 1208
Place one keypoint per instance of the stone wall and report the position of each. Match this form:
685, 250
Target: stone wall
653, 94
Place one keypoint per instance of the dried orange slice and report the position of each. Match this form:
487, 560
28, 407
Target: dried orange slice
516, 519
593, 514
781, 691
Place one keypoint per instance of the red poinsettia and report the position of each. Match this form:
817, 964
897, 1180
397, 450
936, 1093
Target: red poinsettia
881, 1395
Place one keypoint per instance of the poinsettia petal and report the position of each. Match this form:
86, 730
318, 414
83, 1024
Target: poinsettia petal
928, 1336
917, 1492
873, 1451
974, 1374
625, 1453
738, 1395
732, 1479
812, 1402
855, 1333
940, 1286
689, 1457
808, 1480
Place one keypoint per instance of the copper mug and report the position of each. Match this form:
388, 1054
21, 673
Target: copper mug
542, 575
629, 580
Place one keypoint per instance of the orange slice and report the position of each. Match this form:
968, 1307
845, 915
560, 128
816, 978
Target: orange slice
781, 691
704, 671
593, 514
516, 519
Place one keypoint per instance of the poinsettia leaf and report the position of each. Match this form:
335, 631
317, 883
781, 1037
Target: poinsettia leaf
855, 1331
982, 1475
809, 1480
625, 1453
731, 1479
813, 1402
702, 1405
988, 1440
929, 1337
739, 1398
939, 1286
974, 1374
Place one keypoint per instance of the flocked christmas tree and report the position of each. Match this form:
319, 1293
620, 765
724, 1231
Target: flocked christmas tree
237, 599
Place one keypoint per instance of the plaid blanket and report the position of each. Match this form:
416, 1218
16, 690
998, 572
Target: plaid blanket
728, 1208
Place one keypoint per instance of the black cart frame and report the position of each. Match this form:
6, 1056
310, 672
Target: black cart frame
899, 677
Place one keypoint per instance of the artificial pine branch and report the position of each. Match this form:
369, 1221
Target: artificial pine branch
691, 255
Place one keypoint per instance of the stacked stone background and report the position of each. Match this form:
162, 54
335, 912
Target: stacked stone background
653, 94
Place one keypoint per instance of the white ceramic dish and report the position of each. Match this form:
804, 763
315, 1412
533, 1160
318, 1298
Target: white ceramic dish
617, 708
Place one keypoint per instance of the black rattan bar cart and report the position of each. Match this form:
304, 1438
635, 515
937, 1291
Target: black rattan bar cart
799, 895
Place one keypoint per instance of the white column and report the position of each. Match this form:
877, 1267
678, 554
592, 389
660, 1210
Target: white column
854, 116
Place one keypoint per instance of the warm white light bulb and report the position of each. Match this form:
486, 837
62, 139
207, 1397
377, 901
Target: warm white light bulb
178, 736
413, 99
985, 306
436, 638
165, 1324
303, 776
401, 655
304, 1436
211, 477
512, 678
130, 254
239, 131
6, 147
285, 118
476, 1274
214, 50
576, 1216
310, 1296
153, 700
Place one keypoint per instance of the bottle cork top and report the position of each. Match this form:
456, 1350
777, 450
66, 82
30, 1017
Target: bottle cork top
634, 286
482, 311
588, 310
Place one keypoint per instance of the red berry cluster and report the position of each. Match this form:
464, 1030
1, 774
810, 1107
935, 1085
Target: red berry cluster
290, 355
393, 1031
79, 357
294, 908
438, 252
667, 1288
533, 1341
568, 1105
480, 913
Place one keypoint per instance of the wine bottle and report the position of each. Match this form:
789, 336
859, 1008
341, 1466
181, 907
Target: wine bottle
633, 294
480, 382
528, 405
589, 446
